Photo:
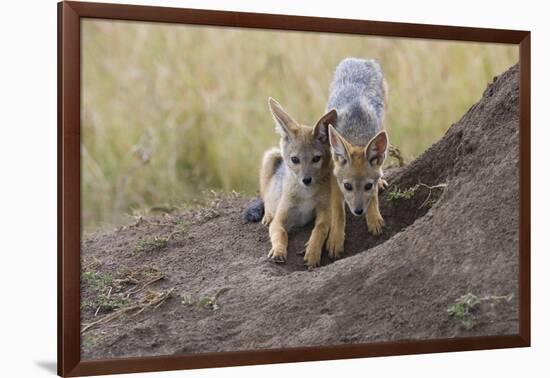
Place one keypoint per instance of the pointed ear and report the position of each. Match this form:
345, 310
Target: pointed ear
338, 146
375, 152
320, 131
285, 125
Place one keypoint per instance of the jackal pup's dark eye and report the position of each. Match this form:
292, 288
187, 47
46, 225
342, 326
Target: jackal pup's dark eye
368, 186
316, 159
348, 186
295, 160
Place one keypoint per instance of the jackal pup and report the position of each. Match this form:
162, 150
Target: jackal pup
358, 144
295, 183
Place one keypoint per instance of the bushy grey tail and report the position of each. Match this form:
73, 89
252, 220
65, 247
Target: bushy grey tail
254, 212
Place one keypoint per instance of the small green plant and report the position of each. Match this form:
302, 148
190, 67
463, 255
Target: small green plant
105, 301
397, 194
84, 304
211, 302
102, 284
97, 280
187, 300
208, 302
111, 302
180, 222
150, 245
205, 213
463, 309
90, 339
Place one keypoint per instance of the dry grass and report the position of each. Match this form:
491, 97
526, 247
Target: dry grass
126, 294
168, 111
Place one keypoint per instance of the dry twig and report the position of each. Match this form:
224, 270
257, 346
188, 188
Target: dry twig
430, 188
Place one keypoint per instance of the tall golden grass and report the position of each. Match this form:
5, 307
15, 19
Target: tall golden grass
169, 111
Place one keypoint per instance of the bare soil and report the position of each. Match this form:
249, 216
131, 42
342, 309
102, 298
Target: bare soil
200, 280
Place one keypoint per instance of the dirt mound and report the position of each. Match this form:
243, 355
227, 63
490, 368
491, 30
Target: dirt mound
200, 281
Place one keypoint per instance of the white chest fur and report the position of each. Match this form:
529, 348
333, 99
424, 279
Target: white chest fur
303, 210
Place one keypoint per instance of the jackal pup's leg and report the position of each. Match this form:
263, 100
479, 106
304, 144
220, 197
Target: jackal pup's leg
314, 246
278, 233
335, 243
375, 222
376, 154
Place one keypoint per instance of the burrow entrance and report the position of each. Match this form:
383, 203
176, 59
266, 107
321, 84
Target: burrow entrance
399, 212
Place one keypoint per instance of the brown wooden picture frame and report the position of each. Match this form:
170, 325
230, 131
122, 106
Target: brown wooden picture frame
70, 15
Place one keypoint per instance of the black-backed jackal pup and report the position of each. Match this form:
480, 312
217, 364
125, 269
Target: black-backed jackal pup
358, 144
295, 183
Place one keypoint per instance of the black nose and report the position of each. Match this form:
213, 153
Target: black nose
306, 180
358, 211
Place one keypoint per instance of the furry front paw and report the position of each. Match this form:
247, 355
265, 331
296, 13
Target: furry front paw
312, 258
266, 220
277, 254
335, 245
375, 224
